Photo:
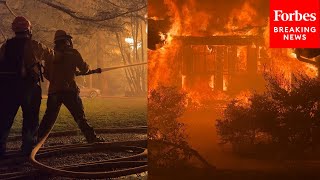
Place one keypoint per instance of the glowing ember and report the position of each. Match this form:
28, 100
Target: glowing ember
225, 83
291, 53
243, 99
211, 82
183, 78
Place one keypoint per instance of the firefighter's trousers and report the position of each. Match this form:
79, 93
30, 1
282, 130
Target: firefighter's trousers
74, 104
28, 97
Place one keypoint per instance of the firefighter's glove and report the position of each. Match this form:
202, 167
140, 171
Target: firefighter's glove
98, 70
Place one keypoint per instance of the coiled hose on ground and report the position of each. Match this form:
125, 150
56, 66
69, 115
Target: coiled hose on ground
111, 168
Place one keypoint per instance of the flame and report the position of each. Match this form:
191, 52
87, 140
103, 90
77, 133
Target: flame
211, 82
225, 83
243, 99
242, 56
241, 18
162, 68
200, 98
155, 18
187, 20
293, 55
183, 82
163, 36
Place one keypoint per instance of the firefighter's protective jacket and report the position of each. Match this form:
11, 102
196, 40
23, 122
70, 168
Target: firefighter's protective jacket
34, 53
61, 70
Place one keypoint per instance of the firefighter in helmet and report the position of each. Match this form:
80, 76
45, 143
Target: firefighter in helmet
20, 72
63, 89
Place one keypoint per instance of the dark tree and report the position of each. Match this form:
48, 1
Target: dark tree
282, 119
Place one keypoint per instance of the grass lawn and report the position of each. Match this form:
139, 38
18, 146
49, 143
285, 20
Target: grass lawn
100, 112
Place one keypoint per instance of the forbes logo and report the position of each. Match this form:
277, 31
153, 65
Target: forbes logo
294, 16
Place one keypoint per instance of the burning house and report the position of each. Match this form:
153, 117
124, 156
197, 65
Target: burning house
228, 63
229, 53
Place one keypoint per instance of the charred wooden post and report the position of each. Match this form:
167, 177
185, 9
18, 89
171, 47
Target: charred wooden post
263, 55
232, 60
252, 60
252, 66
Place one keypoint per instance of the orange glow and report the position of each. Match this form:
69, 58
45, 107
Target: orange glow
218, 51
242, 55
183, 79
162, 65
211, 82
165, 62
240, 18
225, 83
155, 18
162, 36
243, 99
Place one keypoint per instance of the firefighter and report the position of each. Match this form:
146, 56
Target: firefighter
63, 89
20, 73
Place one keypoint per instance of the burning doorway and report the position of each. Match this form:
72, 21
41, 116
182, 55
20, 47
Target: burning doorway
224, 63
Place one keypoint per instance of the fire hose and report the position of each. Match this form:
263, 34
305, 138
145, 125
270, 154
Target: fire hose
99, 70
132, 164
132, 167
